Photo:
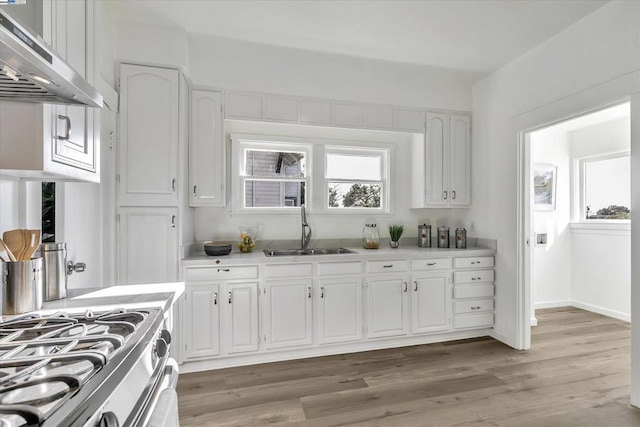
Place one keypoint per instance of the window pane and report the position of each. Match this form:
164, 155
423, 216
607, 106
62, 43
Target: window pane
273, 194
608, 188
353, 166
354, 195
266, 163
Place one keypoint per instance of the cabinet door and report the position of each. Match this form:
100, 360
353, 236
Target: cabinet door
436, 156
148, 245
201, 321
340, 312
149, 137
430, 303
206, 150
73, 141
288, 313
241, 317
460, 161
387, 306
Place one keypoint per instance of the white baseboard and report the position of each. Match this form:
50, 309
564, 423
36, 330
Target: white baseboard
604, 311
553, 304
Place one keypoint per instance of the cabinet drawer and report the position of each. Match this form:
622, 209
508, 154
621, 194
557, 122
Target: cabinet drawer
431, 264
473, 320
333, 268
288, 270
475, 262
222, 273
387, 266
479, 276
473, 291
473, 306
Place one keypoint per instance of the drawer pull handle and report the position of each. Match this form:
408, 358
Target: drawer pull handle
445, 195
453, 194
173, 221
195, 187
415, 287
322, 292
309, 292
229, 297
225, 270
406, 287
475, 262
476, 278
431, 263
387, 266
215, 298
477, 307
173, 184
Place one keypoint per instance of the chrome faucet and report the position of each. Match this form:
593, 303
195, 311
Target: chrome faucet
306, 230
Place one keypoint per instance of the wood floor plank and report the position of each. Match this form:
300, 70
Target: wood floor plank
576, 374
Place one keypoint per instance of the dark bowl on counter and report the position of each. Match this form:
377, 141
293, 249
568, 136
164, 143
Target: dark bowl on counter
217, 248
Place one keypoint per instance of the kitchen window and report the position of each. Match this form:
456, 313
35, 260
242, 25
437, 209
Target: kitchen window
272, 175
275, 175
356, 178
605, 188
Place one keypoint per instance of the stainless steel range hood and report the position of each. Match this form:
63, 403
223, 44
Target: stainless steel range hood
31, 71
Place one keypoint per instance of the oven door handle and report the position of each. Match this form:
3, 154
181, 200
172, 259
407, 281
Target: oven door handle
171, 373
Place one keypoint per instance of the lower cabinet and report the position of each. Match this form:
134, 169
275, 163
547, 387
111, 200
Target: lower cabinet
241, 317
387, 307
287, 313
430, 302
340, 310
201, 321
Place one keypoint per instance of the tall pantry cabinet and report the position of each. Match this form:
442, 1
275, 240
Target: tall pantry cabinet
152, 213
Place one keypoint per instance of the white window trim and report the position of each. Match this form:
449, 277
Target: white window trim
240, 142
316, 194
580, 196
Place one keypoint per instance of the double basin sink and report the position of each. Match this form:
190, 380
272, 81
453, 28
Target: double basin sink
296, 252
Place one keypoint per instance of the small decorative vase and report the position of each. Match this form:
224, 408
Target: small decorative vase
394, 245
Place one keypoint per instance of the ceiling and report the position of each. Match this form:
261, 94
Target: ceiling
476, 36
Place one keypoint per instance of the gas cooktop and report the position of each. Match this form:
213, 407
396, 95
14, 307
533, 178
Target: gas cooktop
46, 361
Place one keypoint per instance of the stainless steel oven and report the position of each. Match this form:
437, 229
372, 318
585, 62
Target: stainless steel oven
84, 370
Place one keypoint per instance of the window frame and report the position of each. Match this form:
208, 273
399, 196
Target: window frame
579, 214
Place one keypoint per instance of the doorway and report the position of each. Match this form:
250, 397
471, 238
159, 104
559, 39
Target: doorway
577, 213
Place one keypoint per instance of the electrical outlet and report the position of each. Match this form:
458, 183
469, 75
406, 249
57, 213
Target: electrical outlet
472, 226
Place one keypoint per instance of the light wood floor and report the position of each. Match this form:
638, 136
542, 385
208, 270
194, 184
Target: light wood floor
576, 374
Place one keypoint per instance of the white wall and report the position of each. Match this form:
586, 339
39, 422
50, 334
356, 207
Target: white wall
586, 65
551, 282
603, 138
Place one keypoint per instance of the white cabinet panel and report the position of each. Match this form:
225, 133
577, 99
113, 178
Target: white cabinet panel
387, 306
411, 120
473, 306
436, 168
241, 317
149, 137
201, 321
431, 264
281, 109
148, 242
460, 160
387, 266
287, 270
206, 150
347, 115
340, 315
430, 303
473, 320
378, 117
339, 268
478, 276
287, 314
315, 112
473, 291
222, 273
473, 262
243, 106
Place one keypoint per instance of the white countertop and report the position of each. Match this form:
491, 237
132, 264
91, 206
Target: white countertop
257, 256
161, 295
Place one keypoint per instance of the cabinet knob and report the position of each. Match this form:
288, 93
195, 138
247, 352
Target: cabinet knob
229, 297
322, 292
173, 221
477, 307
309, 292
215, 298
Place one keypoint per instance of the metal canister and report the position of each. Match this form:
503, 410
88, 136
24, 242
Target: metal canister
54, 285
443, 237
424, 236
461, 238
21, 286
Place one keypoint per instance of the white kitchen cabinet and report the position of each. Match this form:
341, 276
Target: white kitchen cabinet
387, 306
241, 317
288, 313
60, 141
473, 292
149, 135
340, 310
148, 245
206, 150
201, 321
441, 164
430, 302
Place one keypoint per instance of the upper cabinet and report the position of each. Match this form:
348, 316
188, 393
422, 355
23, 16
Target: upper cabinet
441, 164
44, 141
206, 150
149, 134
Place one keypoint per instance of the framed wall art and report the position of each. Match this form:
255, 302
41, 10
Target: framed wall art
544, 186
